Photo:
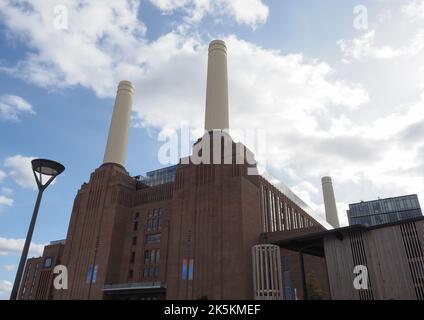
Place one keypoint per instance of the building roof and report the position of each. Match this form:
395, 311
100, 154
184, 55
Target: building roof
296, 200
313, 243
384, 199
57, 242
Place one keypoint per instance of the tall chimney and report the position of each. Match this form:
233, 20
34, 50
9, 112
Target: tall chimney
116, 147
330, 202
217, 88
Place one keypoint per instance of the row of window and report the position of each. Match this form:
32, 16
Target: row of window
150, 239
277, 215
148, 272
160, 176
385, 217
151, 263
154, 220
384, 206
151, 257
151, 272
153, 238
32, 283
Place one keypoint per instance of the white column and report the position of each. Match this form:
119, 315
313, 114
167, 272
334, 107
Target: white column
216, 117
330, 202
116, 147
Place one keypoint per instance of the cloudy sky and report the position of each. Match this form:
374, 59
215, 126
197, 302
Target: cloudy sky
338, 89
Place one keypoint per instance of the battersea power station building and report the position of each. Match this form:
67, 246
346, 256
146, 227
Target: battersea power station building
196, 230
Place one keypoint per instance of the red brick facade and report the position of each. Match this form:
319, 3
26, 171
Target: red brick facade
186, 239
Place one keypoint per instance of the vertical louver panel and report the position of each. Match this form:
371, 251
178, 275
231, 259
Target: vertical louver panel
360, 258
414, 253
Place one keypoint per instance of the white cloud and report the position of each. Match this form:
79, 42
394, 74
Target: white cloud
101, 37
249, 12
6, 190
5, 287
9, 267
394, 37
359, 123
388, 62
414, 9
12, 107
20, 171
15, 246
286, 86
6, 201
175, 63
2, 175
304, 190
364, 47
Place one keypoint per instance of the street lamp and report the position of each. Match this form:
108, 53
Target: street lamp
40, 168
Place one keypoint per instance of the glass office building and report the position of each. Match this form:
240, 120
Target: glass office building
381, 211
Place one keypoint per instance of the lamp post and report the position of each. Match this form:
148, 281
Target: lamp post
40, 168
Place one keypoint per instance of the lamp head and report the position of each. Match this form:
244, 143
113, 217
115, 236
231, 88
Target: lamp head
50, 168
47, 167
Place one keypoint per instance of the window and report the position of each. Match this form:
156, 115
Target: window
130, 274
285, 263
187, 269
379, 219
150, 221
92, 274
151, 272
135, 226
134, 241
376, 207
155, 219
146, 257
152, 256
161, 214
287, 285
153, 238
137, 215
48, 263
157, 256
132, 260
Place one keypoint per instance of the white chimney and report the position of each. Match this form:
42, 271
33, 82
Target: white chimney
116, 147
330, 202
216, 117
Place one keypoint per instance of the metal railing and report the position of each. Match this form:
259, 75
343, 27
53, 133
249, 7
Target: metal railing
133, 286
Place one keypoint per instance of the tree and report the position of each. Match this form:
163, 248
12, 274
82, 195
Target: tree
314, 290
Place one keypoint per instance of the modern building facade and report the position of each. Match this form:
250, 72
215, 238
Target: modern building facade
390, 257
382, 211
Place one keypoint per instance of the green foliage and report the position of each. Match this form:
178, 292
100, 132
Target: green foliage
314, 290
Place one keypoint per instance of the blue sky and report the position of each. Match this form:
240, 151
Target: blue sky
335, 99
